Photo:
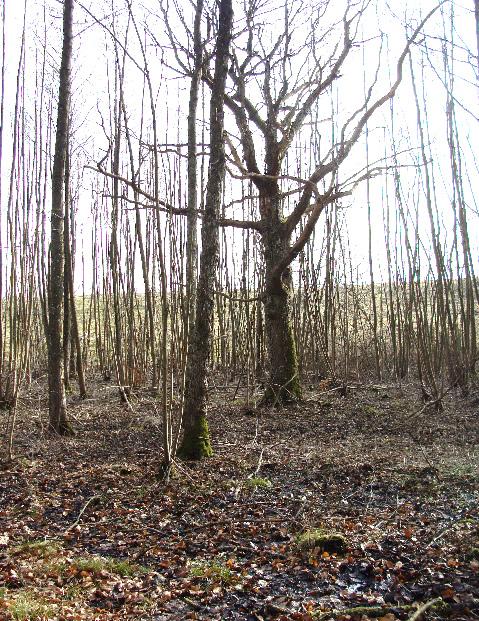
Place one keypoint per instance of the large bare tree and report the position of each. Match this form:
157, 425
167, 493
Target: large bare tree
272, 91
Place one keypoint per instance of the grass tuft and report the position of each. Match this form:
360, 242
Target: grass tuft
98, 564
41, 549
256, 483
27, 606
214, 571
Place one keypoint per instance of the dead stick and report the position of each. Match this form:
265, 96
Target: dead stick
370, 611
422, 609
85, 506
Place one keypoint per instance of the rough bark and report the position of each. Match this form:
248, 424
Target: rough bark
191, 243
196, 442
56, 391
283, 384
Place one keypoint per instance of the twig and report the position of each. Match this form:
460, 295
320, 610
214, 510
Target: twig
422, 609
237, 521
446, 530
85, 506
370, 611
258, 467
278, 609
430, 404
193, 604
379, 611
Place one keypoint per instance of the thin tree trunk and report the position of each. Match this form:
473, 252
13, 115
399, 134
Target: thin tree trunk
74, 333
191, 243
196, 440
476, 13
56, 390
67, 340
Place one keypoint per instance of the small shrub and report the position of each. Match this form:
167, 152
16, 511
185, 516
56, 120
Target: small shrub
213, 571
75, 592
473, 554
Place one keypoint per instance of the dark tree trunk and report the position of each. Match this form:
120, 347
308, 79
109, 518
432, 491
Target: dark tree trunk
196, 440
283, 385
192, 243
56, 390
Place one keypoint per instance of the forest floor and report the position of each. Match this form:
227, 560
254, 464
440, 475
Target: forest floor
87, 531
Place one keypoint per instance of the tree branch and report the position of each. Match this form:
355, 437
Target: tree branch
348, 145
321, 203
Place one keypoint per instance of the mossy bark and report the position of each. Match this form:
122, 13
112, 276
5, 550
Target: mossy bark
284, 385
196, 442
61, 428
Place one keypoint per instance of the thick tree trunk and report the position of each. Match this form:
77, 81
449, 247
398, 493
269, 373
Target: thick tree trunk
196, 440
283, 377
56, 390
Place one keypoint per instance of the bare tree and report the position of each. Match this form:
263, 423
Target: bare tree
287, 99
56, 390
196, 441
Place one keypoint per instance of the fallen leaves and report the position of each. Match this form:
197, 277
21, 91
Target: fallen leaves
207, 548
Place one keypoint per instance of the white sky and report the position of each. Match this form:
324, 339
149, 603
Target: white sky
91, 103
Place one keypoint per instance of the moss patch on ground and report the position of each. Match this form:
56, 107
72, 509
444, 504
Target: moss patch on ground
326, 541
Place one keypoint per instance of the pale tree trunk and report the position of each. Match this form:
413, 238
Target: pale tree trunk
56, 391
476, 13
196, 440
75, 359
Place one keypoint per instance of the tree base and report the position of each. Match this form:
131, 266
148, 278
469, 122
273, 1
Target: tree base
196, 443
276, 396
166, 471
63, 429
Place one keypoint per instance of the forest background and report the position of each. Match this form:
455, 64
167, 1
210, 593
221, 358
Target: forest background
342, 240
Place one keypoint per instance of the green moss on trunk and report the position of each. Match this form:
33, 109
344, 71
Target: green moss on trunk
61, 428
196, 443
284, 385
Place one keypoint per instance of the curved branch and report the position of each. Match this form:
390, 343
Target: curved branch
321, 203
135, 187
348, 145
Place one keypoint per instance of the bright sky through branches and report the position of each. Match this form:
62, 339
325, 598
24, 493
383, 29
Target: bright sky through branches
449, 37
